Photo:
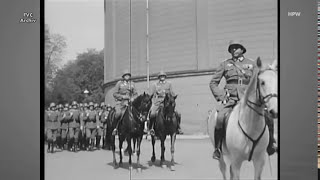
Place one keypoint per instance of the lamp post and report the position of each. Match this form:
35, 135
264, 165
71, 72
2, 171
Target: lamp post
86, 92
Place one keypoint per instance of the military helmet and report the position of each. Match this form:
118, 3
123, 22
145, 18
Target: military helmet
91, 104
233, 43
102, 104
80, 105
126, 72
108, 106
162, 73
85, 105
96, 105
52, 105
74, 103
66, 105
60, 106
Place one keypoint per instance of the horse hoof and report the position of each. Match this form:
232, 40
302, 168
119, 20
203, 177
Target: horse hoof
139, 170
153, 159
164, 166
172, 168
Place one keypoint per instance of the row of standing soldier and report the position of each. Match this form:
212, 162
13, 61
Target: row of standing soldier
79, 126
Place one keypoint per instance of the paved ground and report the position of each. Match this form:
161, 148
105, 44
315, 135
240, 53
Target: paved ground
193, 158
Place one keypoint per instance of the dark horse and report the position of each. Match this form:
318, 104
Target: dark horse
165, 124
131, 127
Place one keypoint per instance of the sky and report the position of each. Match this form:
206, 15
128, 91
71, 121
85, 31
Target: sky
81, 22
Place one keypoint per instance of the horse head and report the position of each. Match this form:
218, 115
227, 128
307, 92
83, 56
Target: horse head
143, 103
263, 88
169, 104
268, 87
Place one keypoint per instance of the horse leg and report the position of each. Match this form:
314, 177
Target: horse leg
258, 164
173, 140
235, 170
129, 151
113, 146
139, 139
134, 145
153, 140
162, 159
223, 167
120, 149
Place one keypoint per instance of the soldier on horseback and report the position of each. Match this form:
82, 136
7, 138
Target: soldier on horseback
237, 71
125, 91
158, 91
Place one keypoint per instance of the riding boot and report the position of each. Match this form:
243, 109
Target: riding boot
49, 145
59, 142
98, 142
87, 144
272, 148
53, 143
103, 143
70, 144
217, 142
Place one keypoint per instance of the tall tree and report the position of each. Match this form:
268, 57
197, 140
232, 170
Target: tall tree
86, 72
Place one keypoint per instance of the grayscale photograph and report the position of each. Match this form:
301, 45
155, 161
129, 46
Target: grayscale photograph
161, 89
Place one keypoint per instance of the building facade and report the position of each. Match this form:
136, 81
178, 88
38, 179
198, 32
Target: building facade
187, 39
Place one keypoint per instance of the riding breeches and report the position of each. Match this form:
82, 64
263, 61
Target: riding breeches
222, 112
74, 133
52, 135
100, 131
91, 133
120, 108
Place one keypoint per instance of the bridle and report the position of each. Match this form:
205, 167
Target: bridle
262, 100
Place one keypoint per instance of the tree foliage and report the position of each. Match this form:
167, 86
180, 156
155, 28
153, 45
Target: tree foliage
86, 72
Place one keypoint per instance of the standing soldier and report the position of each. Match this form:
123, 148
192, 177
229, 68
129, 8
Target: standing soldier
59, 110
158, 91
74, 126
91, 119
83, 144
65, 126
125, 91
237, 71
100, 110
51, 128
103, 119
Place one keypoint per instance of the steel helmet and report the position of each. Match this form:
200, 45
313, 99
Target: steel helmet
236, 43
91, 104
162, 73
102, 104
52, 105
126, 72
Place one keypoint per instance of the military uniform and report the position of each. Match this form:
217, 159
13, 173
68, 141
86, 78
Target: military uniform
91, 119
74, 126
236, 82
159, 90
52, 127
237, 71
123, 92
65, 124
99, 111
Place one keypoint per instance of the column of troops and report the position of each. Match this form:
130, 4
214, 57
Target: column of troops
77, 126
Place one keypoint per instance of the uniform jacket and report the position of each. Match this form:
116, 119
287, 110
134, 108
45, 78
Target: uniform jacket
124, 89
233, 74
52, 120
91, 119
74, 121
159, 90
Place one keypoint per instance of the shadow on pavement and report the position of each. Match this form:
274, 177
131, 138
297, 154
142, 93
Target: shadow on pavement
125, 165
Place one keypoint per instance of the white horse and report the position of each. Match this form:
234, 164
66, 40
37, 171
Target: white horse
247, 135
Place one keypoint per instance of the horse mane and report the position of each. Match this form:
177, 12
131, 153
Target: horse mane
137, 101
252, 86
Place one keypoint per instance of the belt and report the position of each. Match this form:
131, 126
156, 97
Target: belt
239, 81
